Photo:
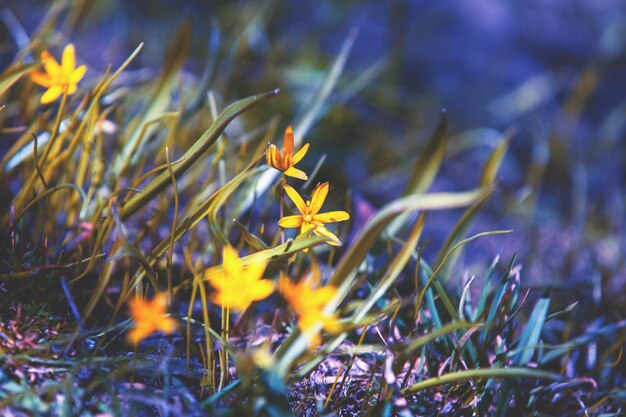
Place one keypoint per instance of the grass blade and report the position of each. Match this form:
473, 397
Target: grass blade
209, 137
532, 333
478, 374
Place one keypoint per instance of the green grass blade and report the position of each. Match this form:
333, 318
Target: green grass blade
157, 103
433, 276
421, 340
479, 374
532, 333
494, 162
590, 336
497, 299
372, 230
209, 137
426, 168
393, 270
12, 75
428, 163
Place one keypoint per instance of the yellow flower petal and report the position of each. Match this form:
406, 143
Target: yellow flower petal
50, 64
68, 61
262, 289
331, 216
167, 325
296, 173
270, 155
138, 333
229, 300
232, 264
41, 78
308, 303
52, 94
331, 324
238, 286
77, 74
319, 297
149, 317
254, 271
159, 302
240, 292
297, 200
318, 197
315, 276
285, 287
214, 274
309, 321
313, 337
306, 229
288, 141
290, 221
300, 154
322, 231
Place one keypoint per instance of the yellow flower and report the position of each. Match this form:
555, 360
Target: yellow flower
149, 317
309, 218
284, 161
308, 303
58, 77
238, 286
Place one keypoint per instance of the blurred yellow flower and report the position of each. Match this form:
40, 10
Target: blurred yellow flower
238, 286
58, 77
309, 219
149, 317
284, 161
308, 302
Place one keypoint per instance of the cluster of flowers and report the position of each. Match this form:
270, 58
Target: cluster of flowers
236, 285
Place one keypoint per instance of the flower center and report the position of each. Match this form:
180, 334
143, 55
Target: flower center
308, 218
61, 79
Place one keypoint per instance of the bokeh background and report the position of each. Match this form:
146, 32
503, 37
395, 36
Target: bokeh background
553, 70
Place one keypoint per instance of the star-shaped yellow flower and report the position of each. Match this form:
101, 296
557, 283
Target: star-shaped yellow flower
149, 317
309, 218
308, 302
58, 77
284, 161
238, 286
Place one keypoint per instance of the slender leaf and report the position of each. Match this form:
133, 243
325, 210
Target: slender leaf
209, 137
478, 374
